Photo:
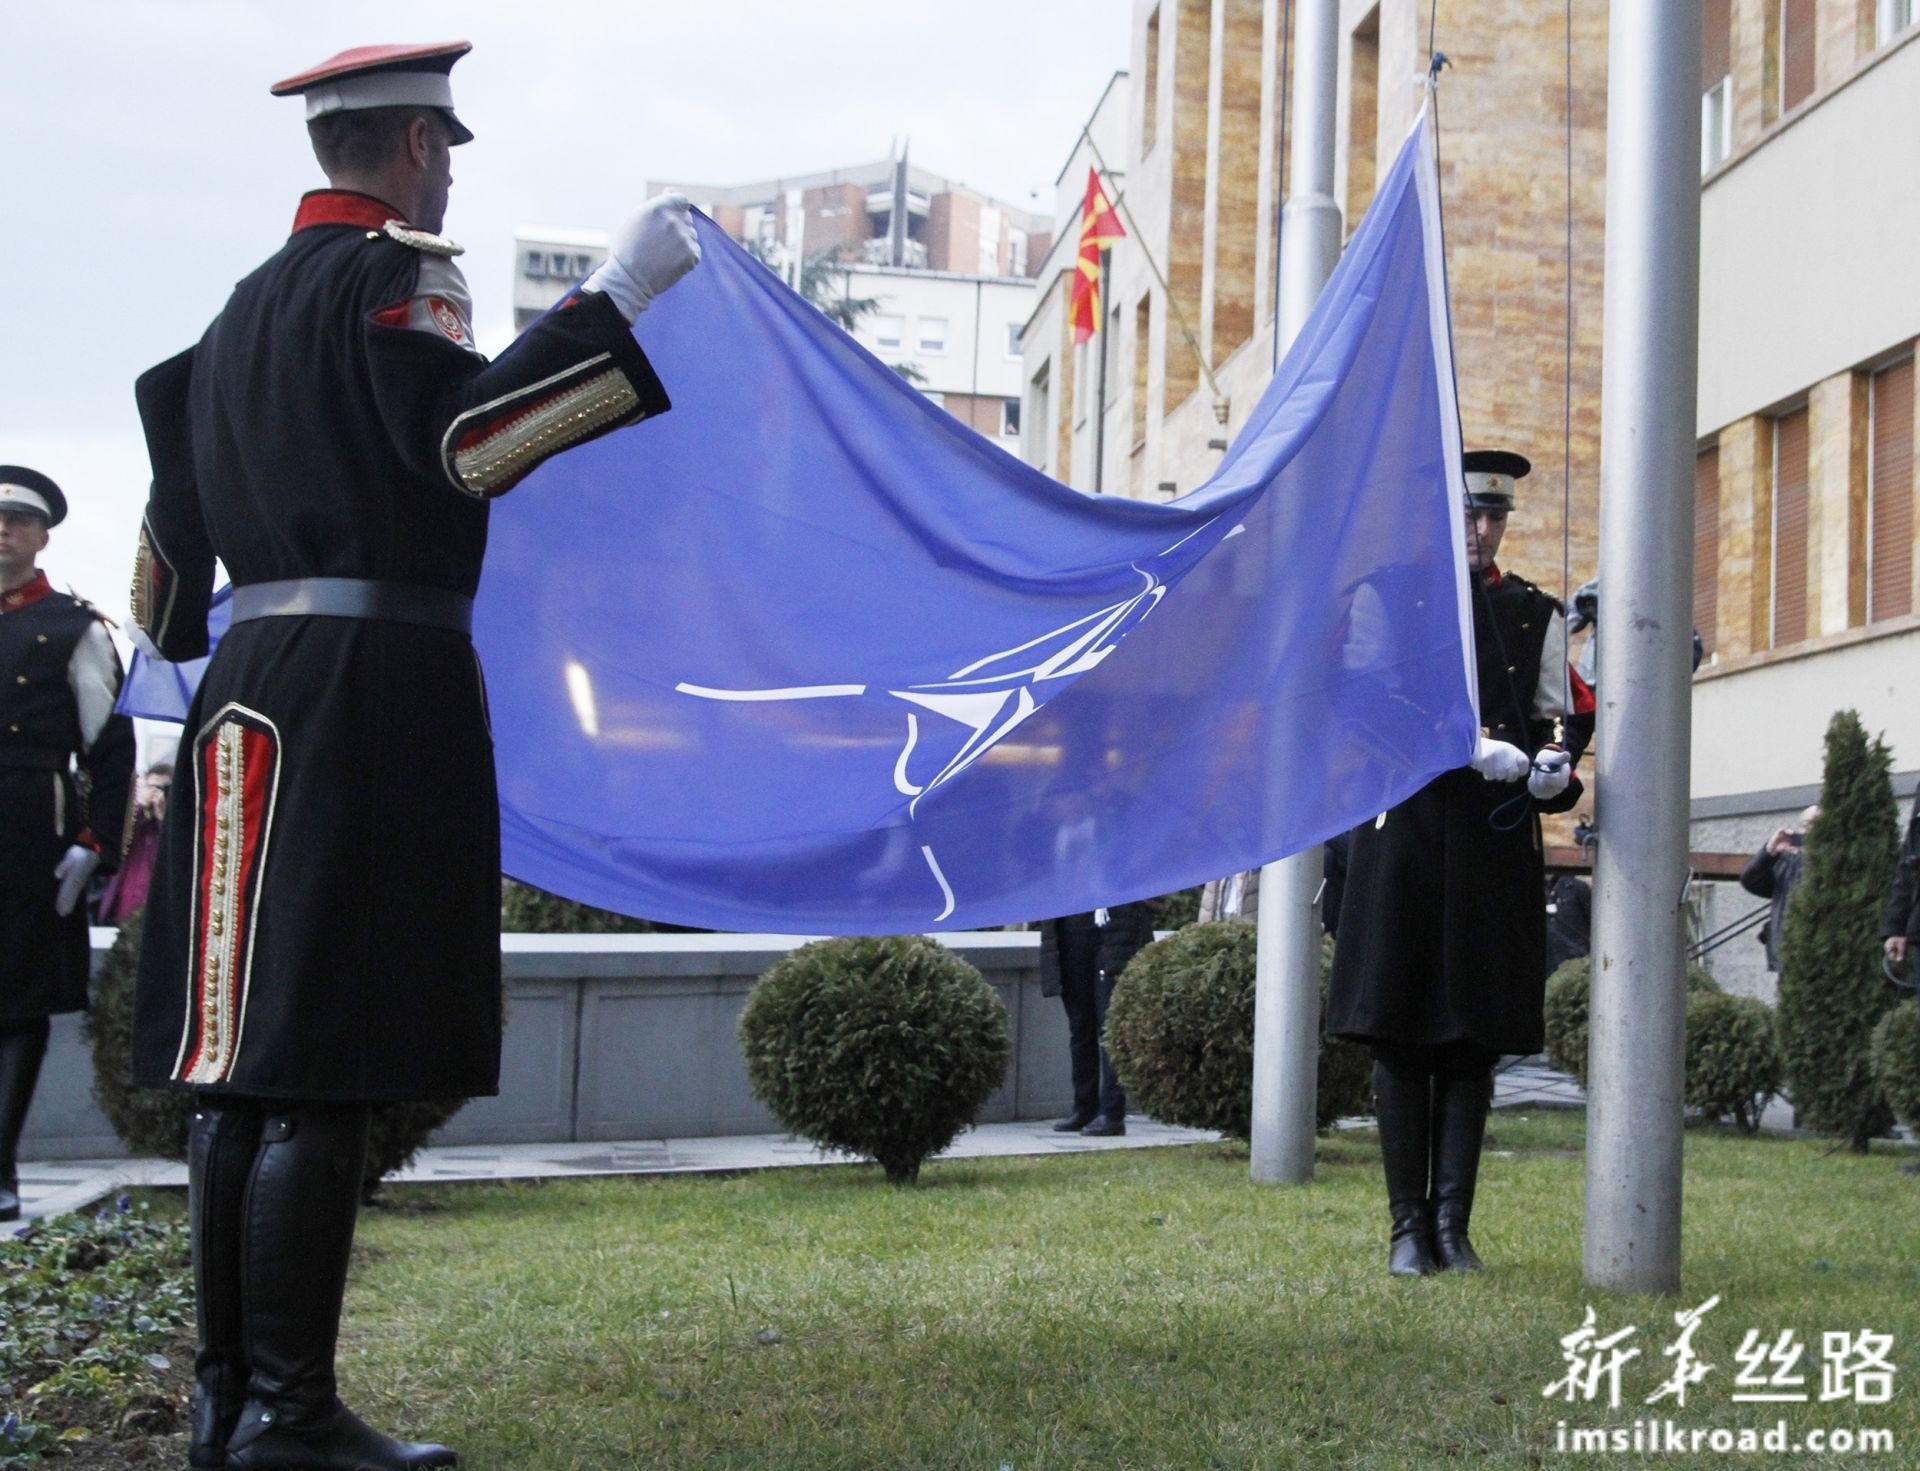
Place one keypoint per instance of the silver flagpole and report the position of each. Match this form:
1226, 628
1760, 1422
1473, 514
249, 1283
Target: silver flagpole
1286, 1007
1647, 440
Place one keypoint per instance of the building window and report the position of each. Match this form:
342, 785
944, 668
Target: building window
1150, 94
1142, 346
1013, 339
1716, 83
582, 265
1037, 425
1890, 493
1797, 22
1706, 548
887, 330
536, 264
1009, 418
1788, 616
1894, 16
933, 334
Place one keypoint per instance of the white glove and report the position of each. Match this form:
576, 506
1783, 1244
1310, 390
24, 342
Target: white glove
1499, 761
647, 254
1552, 773
73, 871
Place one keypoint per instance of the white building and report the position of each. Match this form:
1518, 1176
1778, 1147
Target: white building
959, 333
547, 264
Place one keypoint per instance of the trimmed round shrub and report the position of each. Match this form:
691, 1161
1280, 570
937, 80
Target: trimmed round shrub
883, 1048
1733, 1057
152, 1122
1896, 1062
1180, 1032
1569, 990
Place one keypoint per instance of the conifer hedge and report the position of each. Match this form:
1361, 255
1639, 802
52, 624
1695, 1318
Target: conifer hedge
1832, 993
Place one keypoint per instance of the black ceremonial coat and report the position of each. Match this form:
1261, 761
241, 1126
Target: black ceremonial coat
324, 916
1443, 928
44, 810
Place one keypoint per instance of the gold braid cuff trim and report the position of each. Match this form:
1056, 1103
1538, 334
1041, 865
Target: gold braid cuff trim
493, 464
147, 557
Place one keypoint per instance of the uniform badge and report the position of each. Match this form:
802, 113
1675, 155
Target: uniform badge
447, 319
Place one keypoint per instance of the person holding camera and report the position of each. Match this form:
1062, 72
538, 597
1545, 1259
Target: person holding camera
1774, 873
1900, 930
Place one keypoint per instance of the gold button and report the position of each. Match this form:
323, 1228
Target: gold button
1512, 670
19, 679
39, 638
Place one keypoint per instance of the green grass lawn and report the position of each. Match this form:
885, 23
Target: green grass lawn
1147, 1308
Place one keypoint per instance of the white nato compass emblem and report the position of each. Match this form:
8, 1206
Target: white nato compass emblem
985, 701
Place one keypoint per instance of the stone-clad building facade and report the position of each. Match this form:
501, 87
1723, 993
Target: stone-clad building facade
1808, 579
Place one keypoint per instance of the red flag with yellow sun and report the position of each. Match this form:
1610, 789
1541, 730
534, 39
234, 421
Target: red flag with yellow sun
1099, 228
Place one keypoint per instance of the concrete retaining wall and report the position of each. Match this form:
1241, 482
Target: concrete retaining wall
622, 1037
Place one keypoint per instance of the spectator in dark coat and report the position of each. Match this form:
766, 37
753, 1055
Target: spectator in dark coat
1900, 930
1569, 920
1774, 873
1081, 956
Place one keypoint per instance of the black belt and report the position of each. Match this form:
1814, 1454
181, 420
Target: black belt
354, 597
35, 758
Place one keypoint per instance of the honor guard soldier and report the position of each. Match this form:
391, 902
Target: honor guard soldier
323, 926
1440, 962
59, 678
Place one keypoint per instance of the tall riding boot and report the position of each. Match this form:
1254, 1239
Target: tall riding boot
223, 1140
22, 1046
1401, 1094
299, 1211
1460, 1102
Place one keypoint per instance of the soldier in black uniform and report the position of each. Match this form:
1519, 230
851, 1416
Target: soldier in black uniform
1441, 960
323, 927
59, 677
1081, 957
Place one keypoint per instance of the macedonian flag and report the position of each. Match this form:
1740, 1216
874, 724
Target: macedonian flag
1099, 228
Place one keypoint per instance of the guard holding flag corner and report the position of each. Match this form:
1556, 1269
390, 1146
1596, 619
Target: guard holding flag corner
1440, 961
322, 932
66, 774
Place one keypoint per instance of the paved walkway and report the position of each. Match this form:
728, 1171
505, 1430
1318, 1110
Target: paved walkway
48, 1188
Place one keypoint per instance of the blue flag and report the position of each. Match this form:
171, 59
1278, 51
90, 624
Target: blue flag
809, 655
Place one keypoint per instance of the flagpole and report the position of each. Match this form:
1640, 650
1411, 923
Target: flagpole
1635, 1108
1100, 391
1286, 1004
1119, 198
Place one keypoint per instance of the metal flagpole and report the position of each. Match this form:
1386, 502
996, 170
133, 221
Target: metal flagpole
1100, 386
1286, 1007
1647, 438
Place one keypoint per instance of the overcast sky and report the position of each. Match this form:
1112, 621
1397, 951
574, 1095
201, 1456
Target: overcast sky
145, 168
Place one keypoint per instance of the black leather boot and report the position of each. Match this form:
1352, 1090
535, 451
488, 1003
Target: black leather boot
299, 1212
1402, 1106
222, 1142
1459, 1128
22, 1046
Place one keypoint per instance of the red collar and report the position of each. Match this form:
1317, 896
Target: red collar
1493, 576
27, 594
343, 207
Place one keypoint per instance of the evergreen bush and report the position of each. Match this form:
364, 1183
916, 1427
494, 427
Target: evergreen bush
876, 1047
1896, 1063
1180, 1032
1733, 1057
527, 910
152, 1122
1832, 993
1569, 994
